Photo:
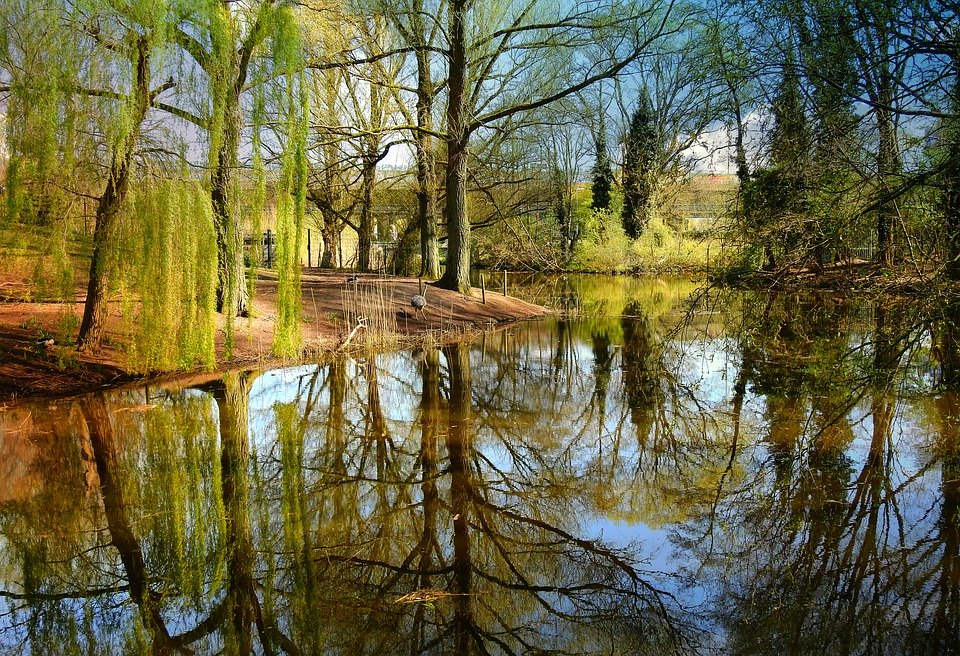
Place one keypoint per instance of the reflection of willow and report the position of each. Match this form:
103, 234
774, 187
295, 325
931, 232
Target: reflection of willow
493, 569
239, 610
121, 534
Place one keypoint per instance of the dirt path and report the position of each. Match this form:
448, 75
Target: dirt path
332, 303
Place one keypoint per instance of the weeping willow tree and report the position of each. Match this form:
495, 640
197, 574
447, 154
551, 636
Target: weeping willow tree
291, 211
167, 255
79, 82
37, 65
225, 40
136, 48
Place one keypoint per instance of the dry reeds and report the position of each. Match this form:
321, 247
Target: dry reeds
369, 303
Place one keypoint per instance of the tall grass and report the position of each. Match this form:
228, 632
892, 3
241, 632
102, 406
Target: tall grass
370, 303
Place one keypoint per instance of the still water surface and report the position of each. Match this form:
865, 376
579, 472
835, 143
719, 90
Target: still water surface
747, 474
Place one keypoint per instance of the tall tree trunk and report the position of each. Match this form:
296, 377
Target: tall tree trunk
426, 159
231, 292
951, 180
329, 196
232, 298
888, 165
951, 209
365, 224
457, 275
331, 240
108, 208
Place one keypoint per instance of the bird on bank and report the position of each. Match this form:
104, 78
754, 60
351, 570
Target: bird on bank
353, 279
419, 302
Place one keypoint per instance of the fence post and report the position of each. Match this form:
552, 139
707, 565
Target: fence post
269, 249
309, 252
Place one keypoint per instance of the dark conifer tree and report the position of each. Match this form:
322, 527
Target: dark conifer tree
640, 158
602, 170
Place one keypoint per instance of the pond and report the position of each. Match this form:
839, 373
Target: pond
657, 470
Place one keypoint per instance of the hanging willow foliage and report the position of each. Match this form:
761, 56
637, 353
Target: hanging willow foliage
258, 197
292, 192
166, 251
41, 133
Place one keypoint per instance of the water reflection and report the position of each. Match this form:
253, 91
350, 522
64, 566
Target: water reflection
779, 477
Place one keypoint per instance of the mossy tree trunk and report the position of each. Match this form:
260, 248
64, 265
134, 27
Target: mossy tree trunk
232, 294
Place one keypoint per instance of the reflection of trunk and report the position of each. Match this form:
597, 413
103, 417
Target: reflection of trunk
459, 445
377, 431
562, 355
334, 441
786, 417
430, 428
430, 425
121, 535
947, 343
602, 361
946, 618
641, 370
231, 394
886, 346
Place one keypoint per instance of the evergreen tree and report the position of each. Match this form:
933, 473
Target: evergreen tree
602, 170
790, 137
639, 164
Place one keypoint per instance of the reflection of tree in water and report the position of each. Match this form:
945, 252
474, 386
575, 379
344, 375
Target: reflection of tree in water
935, 570
820, 565
446, 503
485, 566
642, 369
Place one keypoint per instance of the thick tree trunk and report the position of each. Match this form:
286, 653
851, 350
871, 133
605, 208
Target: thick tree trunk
457, 275
887, 166
888, 159
108, 209
95, 307
231, 292
426, 160
951, 183
365, 225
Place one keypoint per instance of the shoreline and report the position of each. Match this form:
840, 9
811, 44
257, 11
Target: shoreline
31, 370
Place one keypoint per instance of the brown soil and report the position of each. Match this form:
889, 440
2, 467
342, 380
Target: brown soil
29, 368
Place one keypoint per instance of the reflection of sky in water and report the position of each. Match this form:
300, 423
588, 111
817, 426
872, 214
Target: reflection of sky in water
651, 475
